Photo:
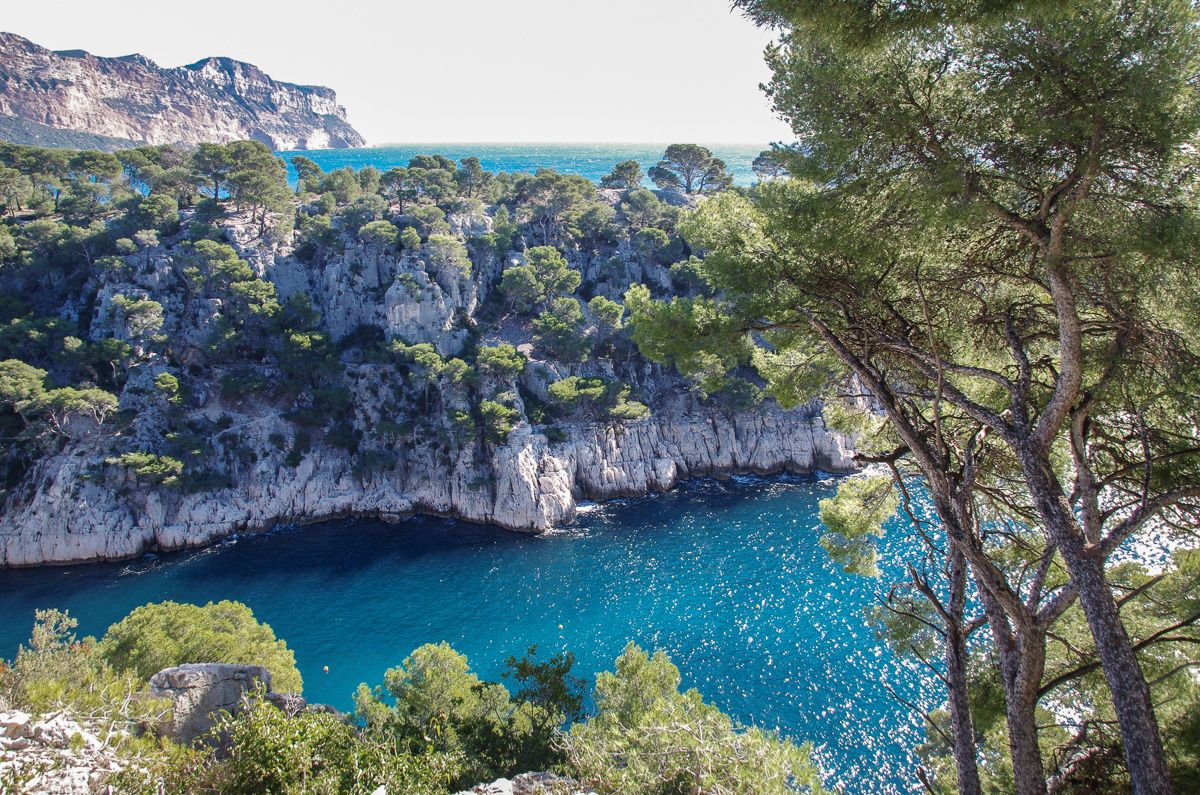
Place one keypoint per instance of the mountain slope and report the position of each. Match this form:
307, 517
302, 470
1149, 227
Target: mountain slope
132, 98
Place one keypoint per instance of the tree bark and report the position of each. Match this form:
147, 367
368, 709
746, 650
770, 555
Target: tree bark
1130, 693
957, 684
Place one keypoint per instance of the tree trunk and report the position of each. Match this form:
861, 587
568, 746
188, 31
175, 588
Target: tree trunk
1022, 658
1130, 693
957, 683
1020, 710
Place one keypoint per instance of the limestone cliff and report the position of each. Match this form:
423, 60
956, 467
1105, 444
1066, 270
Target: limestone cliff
401, 447
133, 99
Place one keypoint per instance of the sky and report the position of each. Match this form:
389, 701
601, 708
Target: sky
464, 70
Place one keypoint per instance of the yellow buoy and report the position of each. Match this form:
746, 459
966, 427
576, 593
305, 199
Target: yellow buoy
326, 669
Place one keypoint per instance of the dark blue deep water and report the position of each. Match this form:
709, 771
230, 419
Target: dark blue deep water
590, 160
728, 577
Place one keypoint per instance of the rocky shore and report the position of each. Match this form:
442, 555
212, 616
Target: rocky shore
529, 484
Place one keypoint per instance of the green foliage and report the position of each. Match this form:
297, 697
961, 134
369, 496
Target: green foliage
447, 253
610, 397
691, 169
142, 316
522, 288
57, 671
500, 361
270, 750
149, 467
165, 634
854, 519
555, 275
60, 406
504, 228
650, 241
379, 234
574, 391
703, 341
625, 175
169, 386
22, 386
410, 239
559, 331
607, 315
648, 737
439, 705
498, 420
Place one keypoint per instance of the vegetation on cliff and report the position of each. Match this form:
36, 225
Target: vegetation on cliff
157, 302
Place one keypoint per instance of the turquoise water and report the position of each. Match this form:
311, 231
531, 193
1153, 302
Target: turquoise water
726, 576
590, 160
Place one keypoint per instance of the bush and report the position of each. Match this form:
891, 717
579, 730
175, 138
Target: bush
649, 738
498, 420
58, 671
165, 634
316, 752
572, 393
149, 467
501, 361
440, 705
559, 331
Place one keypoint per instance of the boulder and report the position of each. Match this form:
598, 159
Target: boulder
201, 691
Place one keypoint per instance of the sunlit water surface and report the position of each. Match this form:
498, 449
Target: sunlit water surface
727, 577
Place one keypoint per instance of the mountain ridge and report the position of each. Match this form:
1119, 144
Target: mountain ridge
216, 99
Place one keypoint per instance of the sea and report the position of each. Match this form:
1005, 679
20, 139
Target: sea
726, 576
589, 160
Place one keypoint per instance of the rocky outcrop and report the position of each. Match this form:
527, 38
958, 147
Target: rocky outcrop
200, 692
132, 98
528, 484
53, 755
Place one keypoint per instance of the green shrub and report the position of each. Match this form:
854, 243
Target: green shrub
502, 361
498, 420
648, 737
165, 634
169, 386
57, 671
149, 467
438, 704
559, 331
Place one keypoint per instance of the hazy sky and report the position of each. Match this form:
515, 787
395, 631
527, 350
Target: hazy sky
464, 70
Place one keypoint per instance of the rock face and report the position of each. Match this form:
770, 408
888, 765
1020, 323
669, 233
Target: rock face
410, 456
527, 484
132, 98
200, 691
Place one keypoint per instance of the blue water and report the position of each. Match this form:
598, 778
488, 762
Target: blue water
728, 577
590, 160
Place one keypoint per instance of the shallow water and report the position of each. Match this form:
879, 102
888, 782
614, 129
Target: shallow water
589, 160
728, 577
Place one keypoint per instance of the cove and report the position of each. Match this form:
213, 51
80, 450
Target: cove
726, 576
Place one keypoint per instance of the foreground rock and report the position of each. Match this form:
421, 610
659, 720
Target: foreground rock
53, 755
531, 784
200, 692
